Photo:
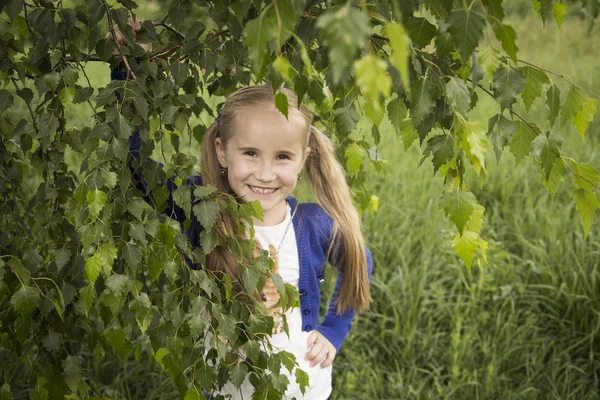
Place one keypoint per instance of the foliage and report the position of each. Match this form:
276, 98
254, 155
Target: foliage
89, 271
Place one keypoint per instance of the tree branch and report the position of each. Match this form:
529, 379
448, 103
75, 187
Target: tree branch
169, 28
565, 77
14, 81
508, 108
111, 27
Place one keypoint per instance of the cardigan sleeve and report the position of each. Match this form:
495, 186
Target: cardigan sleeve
335, 327
137, 169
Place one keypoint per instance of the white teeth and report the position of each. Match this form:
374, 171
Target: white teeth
261, 190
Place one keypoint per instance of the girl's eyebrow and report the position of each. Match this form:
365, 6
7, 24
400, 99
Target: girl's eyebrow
249, 148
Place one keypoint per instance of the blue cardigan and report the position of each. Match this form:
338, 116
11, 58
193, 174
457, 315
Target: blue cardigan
313, 228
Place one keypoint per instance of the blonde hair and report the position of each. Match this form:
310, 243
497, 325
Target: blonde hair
326, 176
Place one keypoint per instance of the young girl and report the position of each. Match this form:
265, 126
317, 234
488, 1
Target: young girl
254, 153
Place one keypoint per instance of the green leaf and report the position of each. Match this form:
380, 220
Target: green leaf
82, 94
408, 133
372, 77
459, 207
203, 192
155, 265
26, 300
557, 175
250, 278
560, 10
535, 79
302, 380
238, 374
345, 119
87, 294
107, 254
194, 393
281, 103
585, 116
140, 103
208, 240
344, 31
206, 212
38, 393
183, 199
458, 95
6, 100
72, 371
424, 94
508, 82
489, 59
109, 177
401, 51
282, 65
131, 253
117, 283
420, 30
572, 105
180, 72
197, 324
466, 27
520, 145
257, 33
119, 343
354, 157
586, 202
442, 148
105, 49
466, 245
586, 176
61, 258
494, 8
474, 142
553, 103
500, 132
374, 111
546, 149
93, 266
122, 126
506, 35
397, 113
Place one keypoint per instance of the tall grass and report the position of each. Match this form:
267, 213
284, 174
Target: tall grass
526, 325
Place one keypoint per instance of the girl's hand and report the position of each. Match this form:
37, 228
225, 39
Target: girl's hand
320, 350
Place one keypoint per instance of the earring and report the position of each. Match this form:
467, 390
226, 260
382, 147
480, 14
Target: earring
223, 171
299, 177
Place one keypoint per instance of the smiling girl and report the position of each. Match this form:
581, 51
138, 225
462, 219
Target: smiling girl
253, 152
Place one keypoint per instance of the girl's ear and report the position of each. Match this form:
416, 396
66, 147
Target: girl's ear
220, 149
306, 154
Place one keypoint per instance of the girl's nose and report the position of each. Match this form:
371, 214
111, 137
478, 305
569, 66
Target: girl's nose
266, 172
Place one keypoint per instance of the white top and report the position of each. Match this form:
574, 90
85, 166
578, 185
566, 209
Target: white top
289, 269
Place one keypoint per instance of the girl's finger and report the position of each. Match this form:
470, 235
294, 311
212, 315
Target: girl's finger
312, 338
313, 354
329, 359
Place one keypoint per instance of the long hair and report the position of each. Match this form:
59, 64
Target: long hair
326, 176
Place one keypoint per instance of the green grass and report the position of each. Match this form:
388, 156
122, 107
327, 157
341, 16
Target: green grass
526, 325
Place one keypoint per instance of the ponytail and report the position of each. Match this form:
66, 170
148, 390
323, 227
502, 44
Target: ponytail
347, 249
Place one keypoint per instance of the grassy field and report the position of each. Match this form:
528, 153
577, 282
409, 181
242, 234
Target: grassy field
524, 327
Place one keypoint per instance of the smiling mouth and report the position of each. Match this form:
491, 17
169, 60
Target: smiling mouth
261, 190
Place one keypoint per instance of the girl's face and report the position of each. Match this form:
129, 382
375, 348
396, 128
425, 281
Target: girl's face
264, 157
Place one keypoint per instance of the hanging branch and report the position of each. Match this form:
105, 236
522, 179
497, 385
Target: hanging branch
565, 77
111, 27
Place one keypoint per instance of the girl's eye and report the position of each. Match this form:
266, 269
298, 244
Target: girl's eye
250, 153
283, 157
